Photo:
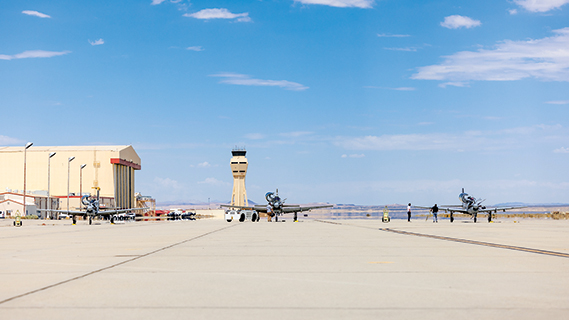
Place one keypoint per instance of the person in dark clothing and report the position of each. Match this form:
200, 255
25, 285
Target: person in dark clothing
435, 211
409, 213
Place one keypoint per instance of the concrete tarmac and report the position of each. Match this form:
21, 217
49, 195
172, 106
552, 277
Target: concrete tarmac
327, 269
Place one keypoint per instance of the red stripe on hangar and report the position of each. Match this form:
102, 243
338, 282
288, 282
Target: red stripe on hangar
125, 163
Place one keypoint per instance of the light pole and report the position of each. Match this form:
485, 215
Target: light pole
81, 180
68, 162
48, 214
29, 144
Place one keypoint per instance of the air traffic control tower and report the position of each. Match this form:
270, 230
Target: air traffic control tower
239, 168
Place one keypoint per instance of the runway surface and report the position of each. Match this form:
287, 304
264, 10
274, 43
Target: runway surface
335, 269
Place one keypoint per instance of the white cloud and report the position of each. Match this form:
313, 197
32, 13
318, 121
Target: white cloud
296, 134
353, 156
396, 89
33, 54
155, 2
513, 11
456, 21
214, 182
168, 183
220, 13
540, 5
97, 42
7, 141
340, 3
543, 59
245, 80
204, 164
438, 141
195, 48
408, 49
454, 84
561, 150
558, 102
35, 13
384, 35
476, 140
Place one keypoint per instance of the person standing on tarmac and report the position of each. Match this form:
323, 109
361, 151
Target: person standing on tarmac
269, 213
409, 212
435, 211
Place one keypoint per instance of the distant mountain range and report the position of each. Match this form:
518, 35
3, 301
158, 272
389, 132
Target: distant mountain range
216, 204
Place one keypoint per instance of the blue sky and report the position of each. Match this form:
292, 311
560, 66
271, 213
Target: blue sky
340, 101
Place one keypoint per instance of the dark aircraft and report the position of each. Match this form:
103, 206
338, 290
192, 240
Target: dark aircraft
470, 206
93, 209
276, 206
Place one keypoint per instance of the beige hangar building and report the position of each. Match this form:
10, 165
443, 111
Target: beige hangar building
110, 168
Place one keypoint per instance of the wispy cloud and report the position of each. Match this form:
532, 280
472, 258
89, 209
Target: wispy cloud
35, 13
245, 80
396, 89
513, 11
456, 21
296, 134
195, 48
541, 5
340, 3
561, 150
214, 182
156, 2
385, 35
543, 59
97, 42
353, 155
476, 140
454, 84
33, 54
168, 183
558, 102
255, 136
204, 164
408, 49
8, 141
219, 13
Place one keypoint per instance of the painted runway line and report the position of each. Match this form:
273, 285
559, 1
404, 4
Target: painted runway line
480, 243
114, 265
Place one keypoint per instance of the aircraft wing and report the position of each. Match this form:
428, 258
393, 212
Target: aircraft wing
292, 209
443, 206
74, 213
503, 209
453, 208
115, 211
257, 208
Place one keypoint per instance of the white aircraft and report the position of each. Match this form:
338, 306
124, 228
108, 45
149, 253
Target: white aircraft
470, 206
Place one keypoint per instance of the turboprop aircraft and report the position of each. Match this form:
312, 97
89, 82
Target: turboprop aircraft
276, 206
470, 206
93, 209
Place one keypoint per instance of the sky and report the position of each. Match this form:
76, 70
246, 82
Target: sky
341, 101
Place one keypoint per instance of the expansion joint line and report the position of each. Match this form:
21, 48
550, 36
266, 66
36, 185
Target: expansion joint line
113, 266
480, 243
